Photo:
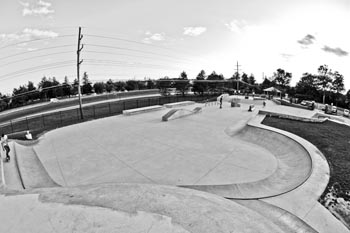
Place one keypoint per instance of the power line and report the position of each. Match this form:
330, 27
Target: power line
28, 41
132, 55
30, 58
131, 41
32, 69
53, 47
134, 50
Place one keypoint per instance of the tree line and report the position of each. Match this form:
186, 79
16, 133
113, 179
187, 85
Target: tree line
325, 86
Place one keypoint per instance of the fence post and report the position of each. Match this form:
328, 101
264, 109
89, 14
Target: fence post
124, 105
109, 107
27, 123
60, 118
11, 126
42, 117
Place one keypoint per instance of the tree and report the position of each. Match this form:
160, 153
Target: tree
323, 80
182, 84
99, 87
163, 84
282, 78
251, 79
67, 88
109, 86
150, 84
120, 86
48, 87
131, 85
86, 88
245, 78
200, 87
337, 85
214, 86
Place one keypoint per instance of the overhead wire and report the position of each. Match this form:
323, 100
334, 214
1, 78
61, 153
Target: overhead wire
42, 49
45, 55
38, 39
34, 69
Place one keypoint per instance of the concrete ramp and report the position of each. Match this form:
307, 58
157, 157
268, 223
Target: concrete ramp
178, 113
294, 166
31, 170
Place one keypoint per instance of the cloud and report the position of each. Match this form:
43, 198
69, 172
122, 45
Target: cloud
236, 26
153, 37
36, 33
286, 56
37, 9
194, 31
337, 51
307, 40
27, 34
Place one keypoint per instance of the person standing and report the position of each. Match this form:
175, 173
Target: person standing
5, 146
221, 101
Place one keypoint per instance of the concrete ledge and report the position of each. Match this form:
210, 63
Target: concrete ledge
130, 112
179, 104
286, 116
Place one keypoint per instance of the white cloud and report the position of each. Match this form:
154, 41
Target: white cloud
153, 37
194, 31
27, 34
236, 26
25, 4
36, 33
39, 8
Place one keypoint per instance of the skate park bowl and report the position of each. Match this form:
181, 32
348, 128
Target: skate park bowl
234, 160
152, 173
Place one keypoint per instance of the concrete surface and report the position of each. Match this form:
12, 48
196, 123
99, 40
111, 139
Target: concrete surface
214, 148
127, 208
143, 149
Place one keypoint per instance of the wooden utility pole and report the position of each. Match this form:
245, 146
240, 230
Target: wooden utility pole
80, 36
237, 73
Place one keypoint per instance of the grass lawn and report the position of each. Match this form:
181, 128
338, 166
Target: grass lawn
333, 140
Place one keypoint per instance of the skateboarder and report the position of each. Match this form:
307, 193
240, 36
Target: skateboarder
5, 146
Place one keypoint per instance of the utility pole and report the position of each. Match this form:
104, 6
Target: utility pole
80, 36
237, 73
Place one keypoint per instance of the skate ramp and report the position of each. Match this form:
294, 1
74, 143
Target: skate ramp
294, 166
178, 113
32, 172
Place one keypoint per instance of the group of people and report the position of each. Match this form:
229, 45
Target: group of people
5, 147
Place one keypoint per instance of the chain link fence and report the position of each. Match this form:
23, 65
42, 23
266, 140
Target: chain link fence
57, 119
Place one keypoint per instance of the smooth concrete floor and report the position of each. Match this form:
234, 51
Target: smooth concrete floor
143, 149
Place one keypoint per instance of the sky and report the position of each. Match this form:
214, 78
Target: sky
137, 39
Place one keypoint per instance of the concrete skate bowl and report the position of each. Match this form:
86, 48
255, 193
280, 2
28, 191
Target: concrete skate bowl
293, 169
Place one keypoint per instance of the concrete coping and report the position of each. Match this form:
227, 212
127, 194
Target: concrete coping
178, 104
130, 112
